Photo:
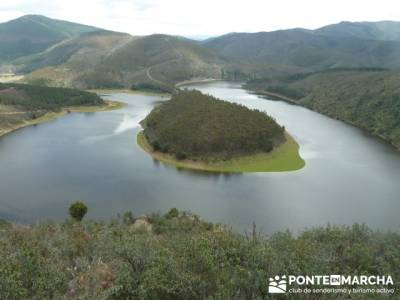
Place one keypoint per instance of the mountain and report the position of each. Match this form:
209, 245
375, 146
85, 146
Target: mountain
313, 49
83, 51
106, 59
33, 33
384, 30
61, 53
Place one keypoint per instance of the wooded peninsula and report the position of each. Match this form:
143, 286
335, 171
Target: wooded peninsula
22, 105
202, 132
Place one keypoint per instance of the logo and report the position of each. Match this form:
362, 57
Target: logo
348, 284
335, 279
277, 285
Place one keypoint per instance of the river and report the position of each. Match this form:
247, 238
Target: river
349, 176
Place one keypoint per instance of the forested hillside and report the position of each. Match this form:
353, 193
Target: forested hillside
22, 105
307, 49
383, 30
157, 59
113, 60
32, 97
367, 98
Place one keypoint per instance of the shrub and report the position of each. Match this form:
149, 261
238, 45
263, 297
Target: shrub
128, 218
78, 210
182, 257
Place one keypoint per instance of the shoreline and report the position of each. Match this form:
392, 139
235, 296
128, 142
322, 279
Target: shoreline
149, 92
51, 115
284, 158
126, 91
295, 102
278, 96
194, 81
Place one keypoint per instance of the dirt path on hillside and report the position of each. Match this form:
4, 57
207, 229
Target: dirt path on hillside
148, 70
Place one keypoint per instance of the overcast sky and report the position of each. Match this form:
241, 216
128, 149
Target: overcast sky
205, 17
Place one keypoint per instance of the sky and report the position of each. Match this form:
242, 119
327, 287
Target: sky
203, 18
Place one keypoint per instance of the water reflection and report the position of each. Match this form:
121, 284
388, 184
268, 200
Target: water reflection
195, 173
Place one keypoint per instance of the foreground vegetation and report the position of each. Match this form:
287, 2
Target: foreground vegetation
368, 98
179, 256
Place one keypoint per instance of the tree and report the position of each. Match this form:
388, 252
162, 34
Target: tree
78, 210
173, 213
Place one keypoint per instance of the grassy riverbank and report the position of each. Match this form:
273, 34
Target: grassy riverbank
282, 159
25, 118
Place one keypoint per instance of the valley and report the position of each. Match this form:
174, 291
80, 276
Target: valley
199, 150
86, 57
345, 71
95, 156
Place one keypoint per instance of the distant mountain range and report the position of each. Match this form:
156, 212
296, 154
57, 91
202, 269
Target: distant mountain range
341, 45
54, 52
384, 30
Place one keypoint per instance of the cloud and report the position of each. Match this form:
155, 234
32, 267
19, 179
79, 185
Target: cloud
207, 17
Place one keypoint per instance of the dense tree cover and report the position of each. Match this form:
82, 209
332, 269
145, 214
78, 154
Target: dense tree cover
31, 97
197, 126
368, 98
179, 256
152, 87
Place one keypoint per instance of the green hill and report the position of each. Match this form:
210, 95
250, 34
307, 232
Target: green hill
33, 33
108, 60
157, 59
369, 98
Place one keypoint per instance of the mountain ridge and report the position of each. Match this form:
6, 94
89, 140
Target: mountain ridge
31, 34
91, 57
308, 48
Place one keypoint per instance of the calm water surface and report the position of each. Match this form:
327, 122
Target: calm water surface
349, 177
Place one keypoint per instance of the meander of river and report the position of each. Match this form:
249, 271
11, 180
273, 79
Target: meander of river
349, 176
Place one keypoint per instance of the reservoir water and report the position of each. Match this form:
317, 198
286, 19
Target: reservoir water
349, 176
